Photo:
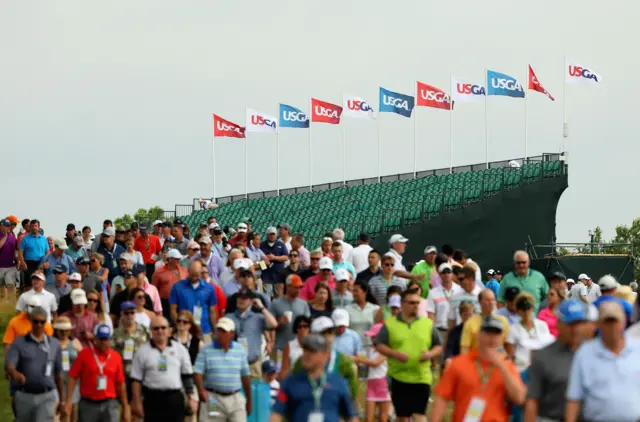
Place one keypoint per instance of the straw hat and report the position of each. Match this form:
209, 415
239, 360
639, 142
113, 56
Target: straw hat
62, 323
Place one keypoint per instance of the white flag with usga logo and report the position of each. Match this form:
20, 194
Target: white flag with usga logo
575, 73
261, 122
357, 108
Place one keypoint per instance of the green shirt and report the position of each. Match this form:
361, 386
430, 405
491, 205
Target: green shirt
423, 268
345, 367
533, 283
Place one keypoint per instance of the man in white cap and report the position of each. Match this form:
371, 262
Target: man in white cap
439, 300
347, 341
593, 289
240, 236
398, 245
426, 266
230, 287
83, 321
214, 263
341, 295
47, 299
577, 290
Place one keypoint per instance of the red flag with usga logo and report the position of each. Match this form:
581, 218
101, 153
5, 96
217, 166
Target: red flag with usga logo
225, 129
430, 96
323, 112
535, 85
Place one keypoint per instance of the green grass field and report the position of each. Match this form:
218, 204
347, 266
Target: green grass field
7, 311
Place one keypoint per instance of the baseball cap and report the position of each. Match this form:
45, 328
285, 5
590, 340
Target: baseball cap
340, 317
4, 222
226, 324
268, 367
241, 228
394, 301
491, 324
444, 267
193, 245
60, 243
294, 280
491, 272
157, 223
134, 226
71, 226
167, 224
397, 238
174, 254
109, 231
511, 293
60, 268
128, 274
321, 324
498, 272
326, 263
583, 276
139, 269
364, 237
63, 323
143, 227
125, 306
125, 257
571, 281
213, 226
13, 219
570, 311
611, 309
178, 222
271, 230
102, 331
39, 276
430, 249
315, 342
78, 297
285, 226
242, 264
78, 240
607, 282
375, 329
205, 240
557, 275
342, 274
75, 277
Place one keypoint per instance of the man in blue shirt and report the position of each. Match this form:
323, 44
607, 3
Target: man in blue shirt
492, 283
196, 296
312, 394
111, 252
55, 258
277, 253
33, 247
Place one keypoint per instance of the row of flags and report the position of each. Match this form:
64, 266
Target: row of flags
498, 84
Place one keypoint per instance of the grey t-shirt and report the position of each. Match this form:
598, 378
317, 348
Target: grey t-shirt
548, 379
31, 359
281, 305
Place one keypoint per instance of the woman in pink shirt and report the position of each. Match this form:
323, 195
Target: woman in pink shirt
555, 296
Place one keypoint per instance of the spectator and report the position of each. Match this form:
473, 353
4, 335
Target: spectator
360, 253
20, 325
89, 281
286, 309
213, 262
133, 255
439, 300
462, 258
76, 249
314, 268
341, 263
240, 266
471, 328
33, 247
341, 294
292, 351
82, 320
294, 267
177, 232
247, 280
64, 304
8, 271
149, 247
492, 283
297, 243
94, 305
362, 311
526, 279
58, 258
326, 277
557, 279
377, 384
322, 304
593, 290
277, 254
132, 282
96, 268
143, 316
509, 310
346, 341
470, 293
188, 334
426, 266
454, 337
47, 299
380, 284
548, 315
70, 347
373, 269
111, 252
347, 250
60, 287
393, 304
118, 284
255, 254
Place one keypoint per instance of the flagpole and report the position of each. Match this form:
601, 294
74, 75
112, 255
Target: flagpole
310, 161
379, 148
344, 151
565, 133
486, 119
526, 113
278, 160
213, 162
246, 162
415, 136
450, 123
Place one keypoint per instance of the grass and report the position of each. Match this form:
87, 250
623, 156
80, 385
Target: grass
7, 311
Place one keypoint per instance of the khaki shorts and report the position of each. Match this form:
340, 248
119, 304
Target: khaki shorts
8, 277
256, 369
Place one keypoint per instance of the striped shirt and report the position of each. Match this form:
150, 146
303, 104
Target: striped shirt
379, 286
222, 371
249, 327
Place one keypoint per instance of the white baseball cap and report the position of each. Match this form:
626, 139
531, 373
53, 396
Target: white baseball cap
326, 263
340, 317
583, 276
242, 228
242, 263
430, 249
397, 238
174, 254
321, 324
607, 282
444, 266
213, 226
157, 223
394, 301
60, 243
342, 274
78, 297
226, 324
205, 240
75, 277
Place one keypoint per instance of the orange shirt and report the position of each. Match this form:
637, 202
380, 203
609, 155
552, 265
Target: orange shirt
221, 300
20, 326
164, 279
148, 247
461, 382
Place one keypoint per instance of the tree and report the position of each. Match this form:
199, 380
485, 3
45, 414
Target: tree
141, 216
631, 235
594, 246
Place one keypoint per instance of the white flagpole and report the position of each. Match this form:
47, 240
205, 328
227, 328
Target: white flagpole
310, 160
451, 123
343, 123
246, 162
415, 131
278, 160
213, 162
565, 126
526, 114
486, 119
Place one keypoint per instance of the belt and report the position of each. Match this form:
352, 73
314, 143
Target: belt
96, 401
442, 329
160, 391
34, 390
251, 362
223, 393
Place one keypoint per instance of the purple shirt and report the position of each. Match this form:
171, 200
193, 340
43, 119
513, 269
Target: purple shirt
215, 267
8, 252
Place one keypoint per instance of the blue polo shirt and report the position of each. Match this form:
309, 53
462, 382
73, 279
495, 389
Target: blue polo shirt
347, 266
33, 247
222, 371
185, 297
628, 309
349, 343
295, 399
606, 384
111, 258
53, 260
270, 275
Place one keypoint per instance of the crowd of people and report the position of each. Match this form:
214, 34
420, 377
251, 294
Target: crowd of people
157, 323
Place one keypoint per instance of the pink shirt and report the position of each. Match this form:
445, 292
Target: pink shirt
308, 291
83, 323
549, 316
152, 291
422, 308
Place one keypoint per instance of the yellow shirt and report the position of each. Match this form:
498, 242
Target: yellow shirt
472, 327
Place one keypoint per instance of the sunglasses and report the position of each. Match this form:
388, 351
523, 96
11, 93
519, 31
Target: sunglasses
293, 255
92, 300
38, 322
195, 249
446, 271
303, 326
129, 312
315, 259
184, 321
521, 262
139, 297
162, 327
93, 260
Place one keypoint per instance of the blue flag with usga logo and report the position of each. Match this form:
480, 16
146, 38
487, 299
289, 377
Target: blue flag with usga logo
392, 102
293, 117
501, 84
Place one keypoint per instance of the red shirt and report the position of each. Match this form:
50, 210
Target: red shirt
164, 279
148, 247
221, 300
308, 291
85, 369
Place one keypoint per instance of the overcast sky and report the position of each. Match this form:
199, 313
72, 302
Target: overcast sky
106, 107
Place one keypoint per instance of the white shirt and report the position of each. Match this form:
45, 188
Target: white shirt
517, 336
145, 366
360, 257
439, 303
295, 351
463, 296
593, 292
398, 262
347, 251
143, 319
578, 291
479, 282
377, 372
47, 302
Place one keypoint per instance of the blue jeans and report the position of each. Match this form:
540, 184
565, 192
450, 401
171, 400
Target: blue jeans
517, 412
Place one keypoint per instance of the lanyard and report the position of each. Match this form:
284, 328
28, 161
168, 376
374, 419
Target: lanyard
100, 365
484, 376
535, 331
316, 390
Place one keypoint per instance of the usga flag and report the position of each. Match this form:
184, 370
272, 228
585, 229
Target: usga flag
293, 117
224, 128
357, 108
261, 122
505, 85
535, 85
576, 73
393, 102
323, 112
430, 96
462, 90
